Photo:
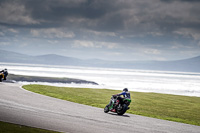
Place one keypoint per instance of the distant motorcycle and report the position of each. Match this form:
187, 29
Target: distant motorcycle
119, 107
3, 74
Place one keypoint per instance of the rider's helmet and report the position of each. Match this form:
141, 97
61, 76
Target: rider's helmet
125, 89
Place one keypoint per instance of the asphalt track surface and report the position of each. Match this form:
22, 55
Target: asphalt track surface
20, 106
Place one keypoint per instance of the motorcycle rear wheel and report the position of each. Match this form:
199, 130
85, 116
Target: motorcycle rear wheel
123, 110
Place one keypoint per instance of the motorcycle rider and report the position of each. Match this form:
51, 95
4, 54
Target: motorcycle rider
4, 74
125, 94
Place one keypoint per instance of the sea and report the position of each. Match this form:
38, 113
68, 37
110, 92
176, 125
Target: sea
167, 82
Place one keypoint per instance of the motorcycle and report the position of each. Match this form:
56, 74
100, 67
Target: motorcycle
119, 107
3, 75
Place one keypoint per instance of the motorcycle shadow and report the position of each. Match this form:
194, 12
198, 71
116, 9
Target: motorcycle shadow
118, 115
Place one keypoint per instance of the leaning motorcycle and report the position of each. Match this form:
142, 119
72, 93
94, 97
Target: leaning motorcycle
119, 107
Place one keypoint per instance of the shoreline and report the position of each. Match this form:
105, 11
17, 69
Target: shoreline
24, 78
73, 82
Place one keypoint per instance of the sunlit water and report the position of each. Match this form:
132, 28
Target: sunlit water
179, 83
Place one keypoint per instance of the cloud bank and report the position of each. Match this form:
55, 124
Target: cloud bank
137, 29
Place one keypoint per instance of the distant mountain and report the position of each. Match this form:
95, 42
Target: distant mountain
186, 65
51, 59
54, 59
7, 56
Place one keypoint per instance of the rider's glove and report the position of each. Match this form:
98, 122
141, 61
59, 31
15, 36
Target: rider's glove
114, 96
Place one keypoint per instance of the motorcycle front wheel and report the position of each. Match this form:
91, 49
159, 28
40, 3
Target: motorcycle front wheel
106, 109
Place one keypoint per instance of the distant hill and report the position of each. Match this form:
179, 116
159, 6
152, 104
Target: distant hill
186, 65
54, 59
7, 56
51, 59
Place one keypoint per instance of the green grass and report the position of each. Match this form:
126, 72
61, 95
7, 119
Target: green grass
14, 128
163, 106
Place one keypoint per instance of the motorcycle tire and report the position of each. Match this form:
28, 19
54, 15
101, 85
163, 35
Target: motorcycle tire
106, 109
123, 110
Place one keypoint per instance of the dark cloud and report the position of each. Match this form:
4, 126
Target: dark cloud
53, 10
180, 0
122, 22
110, 15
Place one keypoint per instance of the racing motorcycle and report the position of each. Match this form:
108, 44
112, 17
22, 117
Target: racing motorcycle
3, 74
119, 106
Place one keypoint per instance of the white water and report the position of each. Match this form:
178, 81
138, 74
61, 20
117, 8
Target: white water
179, 83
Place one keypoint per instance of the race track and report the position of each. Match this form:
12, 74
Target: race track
27, 108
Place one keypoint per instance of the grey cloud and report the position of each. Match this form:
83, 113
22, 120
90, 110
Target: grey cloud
52, 33
180, 0
124, 22
13, 12
136, 17
60, 10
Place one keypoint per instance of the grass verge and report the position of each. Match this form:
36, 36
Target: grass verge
14, 128
163, 106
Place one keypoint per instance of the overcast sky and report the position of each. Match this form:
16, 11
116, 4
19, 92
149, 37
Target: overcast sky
104, 29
